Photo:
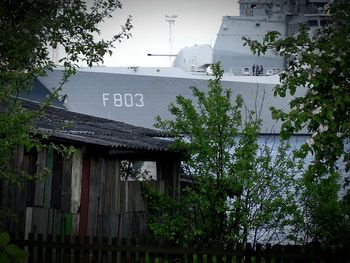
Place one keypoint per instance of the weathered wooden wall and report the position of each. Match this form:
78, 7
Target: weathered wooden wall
81, 195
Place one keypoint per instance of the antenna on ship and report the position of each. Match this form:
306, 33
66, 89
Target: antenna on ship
171, 20
55, 55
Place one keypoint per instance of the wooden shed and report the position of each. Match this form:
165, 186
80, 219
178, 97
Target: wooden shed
85, 194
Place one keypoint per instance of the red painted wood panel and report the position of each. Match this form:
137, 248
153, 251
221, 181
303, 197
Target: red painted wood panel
84, 202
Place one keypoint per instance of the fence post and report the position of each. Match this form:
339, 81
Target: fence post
104, 252
78, 250
219, 258
49, 250
240, 252
278, 253
248, 253
342, 253
31, 248
268, 253
289, 252
258, 249
40, 249
200, 258
86, 252
95, 249
59, 249
151, 257
190, 258
210, 258
123, 255
114, 252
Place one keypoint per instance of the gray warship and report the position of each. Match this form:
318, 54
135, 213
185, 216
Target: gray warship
136, 95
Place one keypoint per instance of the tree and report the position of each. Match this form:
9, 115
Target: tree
28, 30
319, 62
239, 190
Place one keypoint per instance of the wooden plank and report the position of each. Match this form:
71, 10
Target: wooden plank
75, 224
40, 220
28, 224
102, 186
160, 186
40, 184
66, 225
57, 221
29, 191
77, 166
102, 196
76, 184
57, 181
131, 196
134, 195
66, 192
118, 224
168, 170
50, 221
139, 204
25, 197
11, 204
126, 196
84, 197
122, 196
4, 194
19, 156
94, 199
48, 179
13, 194
105, 184
115, 185
100, 224
109, 186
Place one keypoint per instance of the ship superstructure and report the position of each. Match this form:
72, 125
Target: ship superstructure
256, 18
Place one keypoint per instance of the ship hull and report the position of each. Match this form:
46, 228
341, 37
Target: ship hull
137, 99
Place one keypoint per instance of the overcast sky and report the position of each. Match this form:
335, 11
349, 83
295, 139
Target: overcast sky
198, 22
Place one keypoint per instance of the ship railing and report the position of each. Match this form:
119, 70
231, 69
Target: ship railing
249, 71
311, 10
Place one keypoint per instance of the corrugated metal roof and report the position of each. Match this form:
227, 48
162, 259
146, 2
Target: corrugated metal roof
60, 123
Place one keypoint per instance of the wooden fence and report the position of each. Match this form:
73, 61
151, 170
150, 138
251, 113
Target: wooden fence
66, 249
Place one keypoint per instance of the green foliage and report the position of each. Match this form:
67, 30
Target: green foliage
28, 31
29, 28
319, 63
239, 189
132, 170
10, 252
326, 218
